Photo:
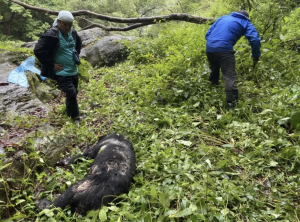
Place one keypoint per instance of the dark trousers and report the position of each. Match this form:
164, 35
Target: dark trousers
225, 61
69, 85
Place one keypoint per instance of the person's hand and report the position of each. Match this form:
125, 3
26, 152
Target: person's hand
58, 67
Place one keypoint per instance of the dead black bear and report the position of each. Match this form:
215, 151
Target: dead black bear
110, 175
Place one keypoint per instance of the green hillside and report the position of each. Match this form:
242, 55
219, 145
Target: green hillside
196, 161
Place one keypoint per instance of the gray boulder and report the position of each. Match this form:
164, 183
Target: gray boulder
29, 45
8, 63
15, 98
108, 50
91, 35
88, 37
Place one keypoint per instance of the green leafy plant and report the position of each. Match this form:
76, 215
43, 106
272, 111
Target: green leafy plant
196, 161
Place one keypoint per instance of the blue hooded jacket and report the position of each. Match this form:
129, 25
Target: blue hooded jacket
227, 30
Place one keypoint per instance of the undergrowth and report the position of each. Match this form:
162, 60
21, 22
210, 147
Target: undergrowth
196, 161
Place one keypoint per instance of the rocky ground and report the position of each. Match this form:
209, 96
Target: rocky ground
18, 103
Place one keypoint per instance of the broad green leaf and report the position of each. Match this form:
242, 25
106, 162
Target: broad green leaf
170, 212
190, 176
153, 192
16, 216
227, 145
219, 198
249, 196
208, 162
185, 212
222, 163
148, 218
225, 211
196, 104
186, 143
19, 201
42, 160
164, 200
273, 163
276, 215
102, 214
275, 40
193, 207
48, 212
11, 180
114, 208
295, 118
283, 120
265, 50
169, 131
6, 165
266, 111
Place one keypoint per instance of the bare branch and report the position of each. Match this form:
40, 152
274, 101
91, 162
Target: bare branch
147, 20
137, 25
148, 10
249, 5
92, 25
179, 3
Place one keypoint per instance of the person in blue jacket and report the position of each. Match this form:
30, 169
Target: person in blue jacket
220, 39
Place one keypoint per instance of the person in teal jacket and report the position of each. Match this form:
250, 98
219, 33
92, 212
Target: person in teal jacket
55, 50
220, 39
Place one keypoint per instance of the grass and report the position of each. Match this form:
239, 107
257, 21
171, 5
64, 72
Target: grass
196, 161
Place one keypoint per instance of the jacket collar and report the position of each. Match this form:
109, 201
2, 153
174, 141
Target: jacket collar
53, 32
239, 15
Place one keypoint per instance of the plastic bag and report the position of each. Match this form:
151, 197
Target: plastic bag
18, 76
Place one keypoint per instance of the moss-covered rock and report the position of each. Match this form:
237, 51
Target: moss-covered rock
84, 70
44, 90
17, 57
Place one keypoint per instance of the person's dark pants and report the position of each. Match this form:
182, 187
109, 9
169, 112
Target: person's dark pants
225, 61
69, 85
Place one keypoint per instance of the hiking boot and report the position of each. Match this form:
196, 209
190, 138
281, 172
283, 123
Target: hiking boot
232, 98
77, 120
231, 106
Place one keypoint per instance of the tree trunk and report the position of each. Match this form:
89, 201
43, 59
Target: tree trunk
10, 23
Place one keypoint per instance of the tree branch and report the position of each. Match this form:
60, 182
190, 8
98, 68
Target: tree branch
249, 5
134, 26
144, 20
148, 10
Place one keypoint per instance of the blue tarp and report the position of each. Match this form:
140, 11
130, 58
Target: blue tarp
18, 76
